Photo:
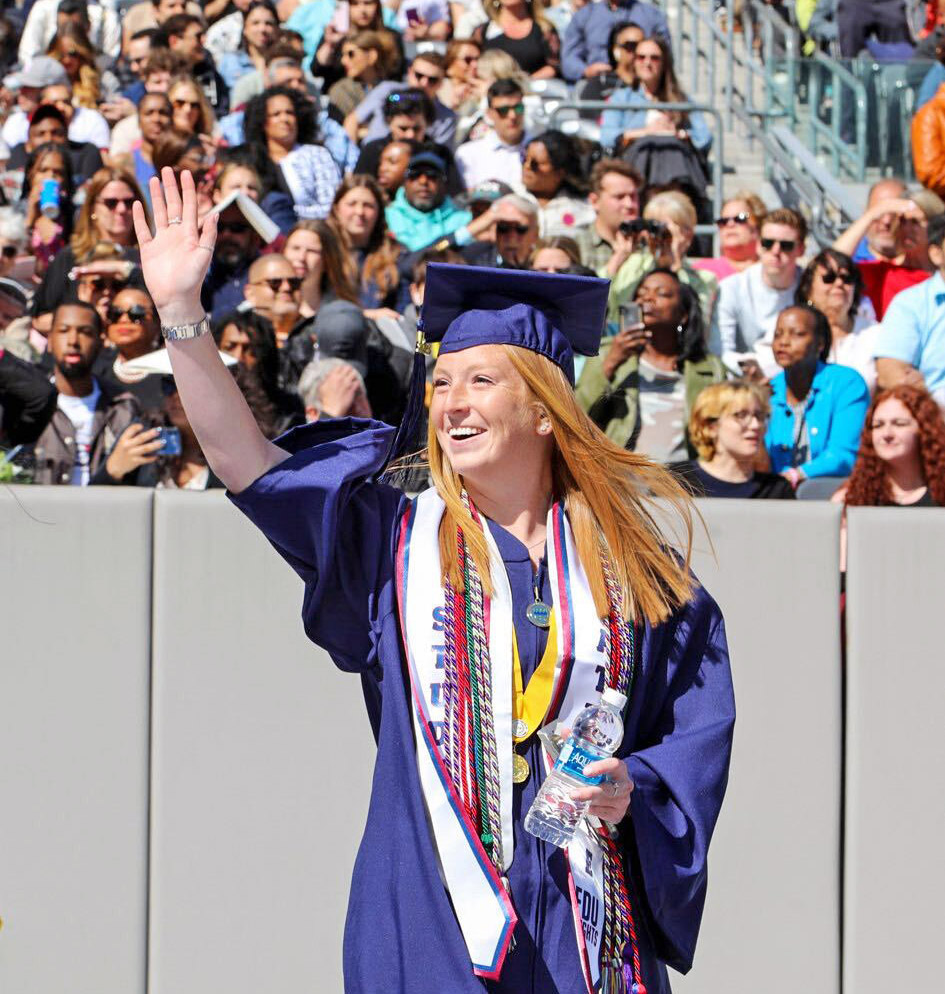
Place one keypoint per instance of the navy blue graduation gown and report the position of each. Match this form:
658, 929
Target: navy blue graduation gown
338, 531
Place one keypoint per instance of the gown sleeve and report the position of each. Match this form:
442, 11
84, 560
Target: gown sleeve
334, 526
680, 771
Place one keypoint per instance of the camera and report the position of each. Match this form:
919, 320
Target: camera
655, 228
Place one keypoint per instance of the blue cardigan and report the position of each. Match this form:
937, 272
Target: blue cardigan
838, 401
615, 122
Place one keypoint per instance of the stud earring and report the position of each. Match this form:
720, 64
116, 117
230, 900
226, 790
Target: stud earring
544, 427
92, 216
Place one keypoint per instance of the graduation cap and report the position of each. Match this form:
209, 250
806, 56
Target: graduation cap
552, 314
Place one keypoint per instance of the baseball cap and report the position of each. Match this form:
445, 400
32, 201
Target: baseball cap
427, 158
43, 71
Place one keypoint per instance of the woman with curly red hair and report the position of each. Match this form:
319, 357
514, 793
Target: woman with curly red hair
902, 453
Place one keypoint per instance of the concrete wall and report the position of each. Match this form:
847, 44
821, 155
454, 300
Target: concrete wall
183, 776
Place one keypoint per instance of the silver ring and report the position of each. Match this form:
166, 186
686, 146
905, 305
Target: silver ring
613, 783
176, 220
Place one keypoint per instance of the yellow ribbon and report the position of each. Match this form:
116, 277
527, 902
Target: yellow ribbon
531, 704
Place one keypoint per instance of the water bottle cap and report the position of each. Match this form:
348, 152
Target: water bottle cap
611, 696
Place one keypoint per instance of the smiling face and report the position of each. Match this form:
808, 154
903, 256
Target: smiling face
795, 340
483, 415
895, 431
281, 123
357, 212
259, 27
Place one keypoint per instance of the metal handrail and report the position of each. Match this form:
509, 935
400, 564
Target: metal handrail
852, 159
718, 140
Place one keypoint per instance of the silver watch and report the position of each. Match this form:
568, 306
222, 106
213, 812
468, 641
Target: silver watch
175, 332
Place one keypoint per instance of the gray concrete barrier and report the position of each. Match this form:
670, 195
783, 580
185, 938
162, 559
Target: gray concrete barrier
772, 912
75, 618
197, 833
895, 789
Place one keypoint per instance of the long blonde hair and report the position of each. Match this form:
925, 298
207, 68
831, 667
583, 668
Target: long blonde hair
609, 495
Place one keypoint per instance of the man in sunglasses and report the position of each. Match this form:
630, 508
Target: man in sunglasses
273, 290
421, 213
425, 74
499, 154
584, 49
749, 302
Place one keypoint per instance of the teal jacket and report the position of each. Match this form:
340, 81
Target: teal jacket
416, 229
614, 405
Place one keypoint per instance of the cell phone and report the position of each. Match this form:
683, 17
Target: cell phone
341, 21
171, 438
630, 315
413, 16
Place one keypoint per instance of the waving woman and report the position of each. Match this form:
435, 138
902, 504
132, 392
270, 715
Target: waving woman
428, 600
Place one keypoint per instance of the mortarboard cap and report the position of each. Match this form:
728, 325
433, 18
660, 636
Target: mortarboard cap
553, 314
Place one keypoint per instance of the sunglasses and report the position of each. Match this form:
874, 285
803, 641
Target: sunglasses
8, 251
98, 284
468, 59
136, 314
534, 164
727, 222
415, 172
831, 276
233, 227
744, 417
112, 202
628, 46
179, 102
507, 227
276, 283
424, 77
516, 109
785, 244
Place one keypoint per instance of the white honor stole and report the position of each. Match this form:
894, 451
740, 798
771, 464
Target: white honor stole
481, 902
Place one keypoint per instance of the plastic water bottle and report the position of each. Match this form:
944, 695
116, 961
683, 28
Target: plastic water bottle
597, 731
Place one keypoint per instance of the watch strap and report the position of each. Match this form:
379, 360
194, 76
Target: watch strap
177, 332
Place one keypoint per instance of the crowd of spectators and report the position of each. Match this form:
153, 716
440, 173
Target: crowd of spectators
346, 145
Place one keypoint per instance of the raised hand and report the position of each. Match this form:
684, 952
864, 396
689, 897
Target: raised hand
176, 257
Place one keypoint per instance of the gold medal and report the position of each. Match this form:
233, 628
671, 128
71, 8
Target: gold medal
520, 770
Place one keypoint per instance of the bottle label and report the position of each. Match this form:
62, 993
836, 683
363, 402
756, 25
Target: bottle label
573, 758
